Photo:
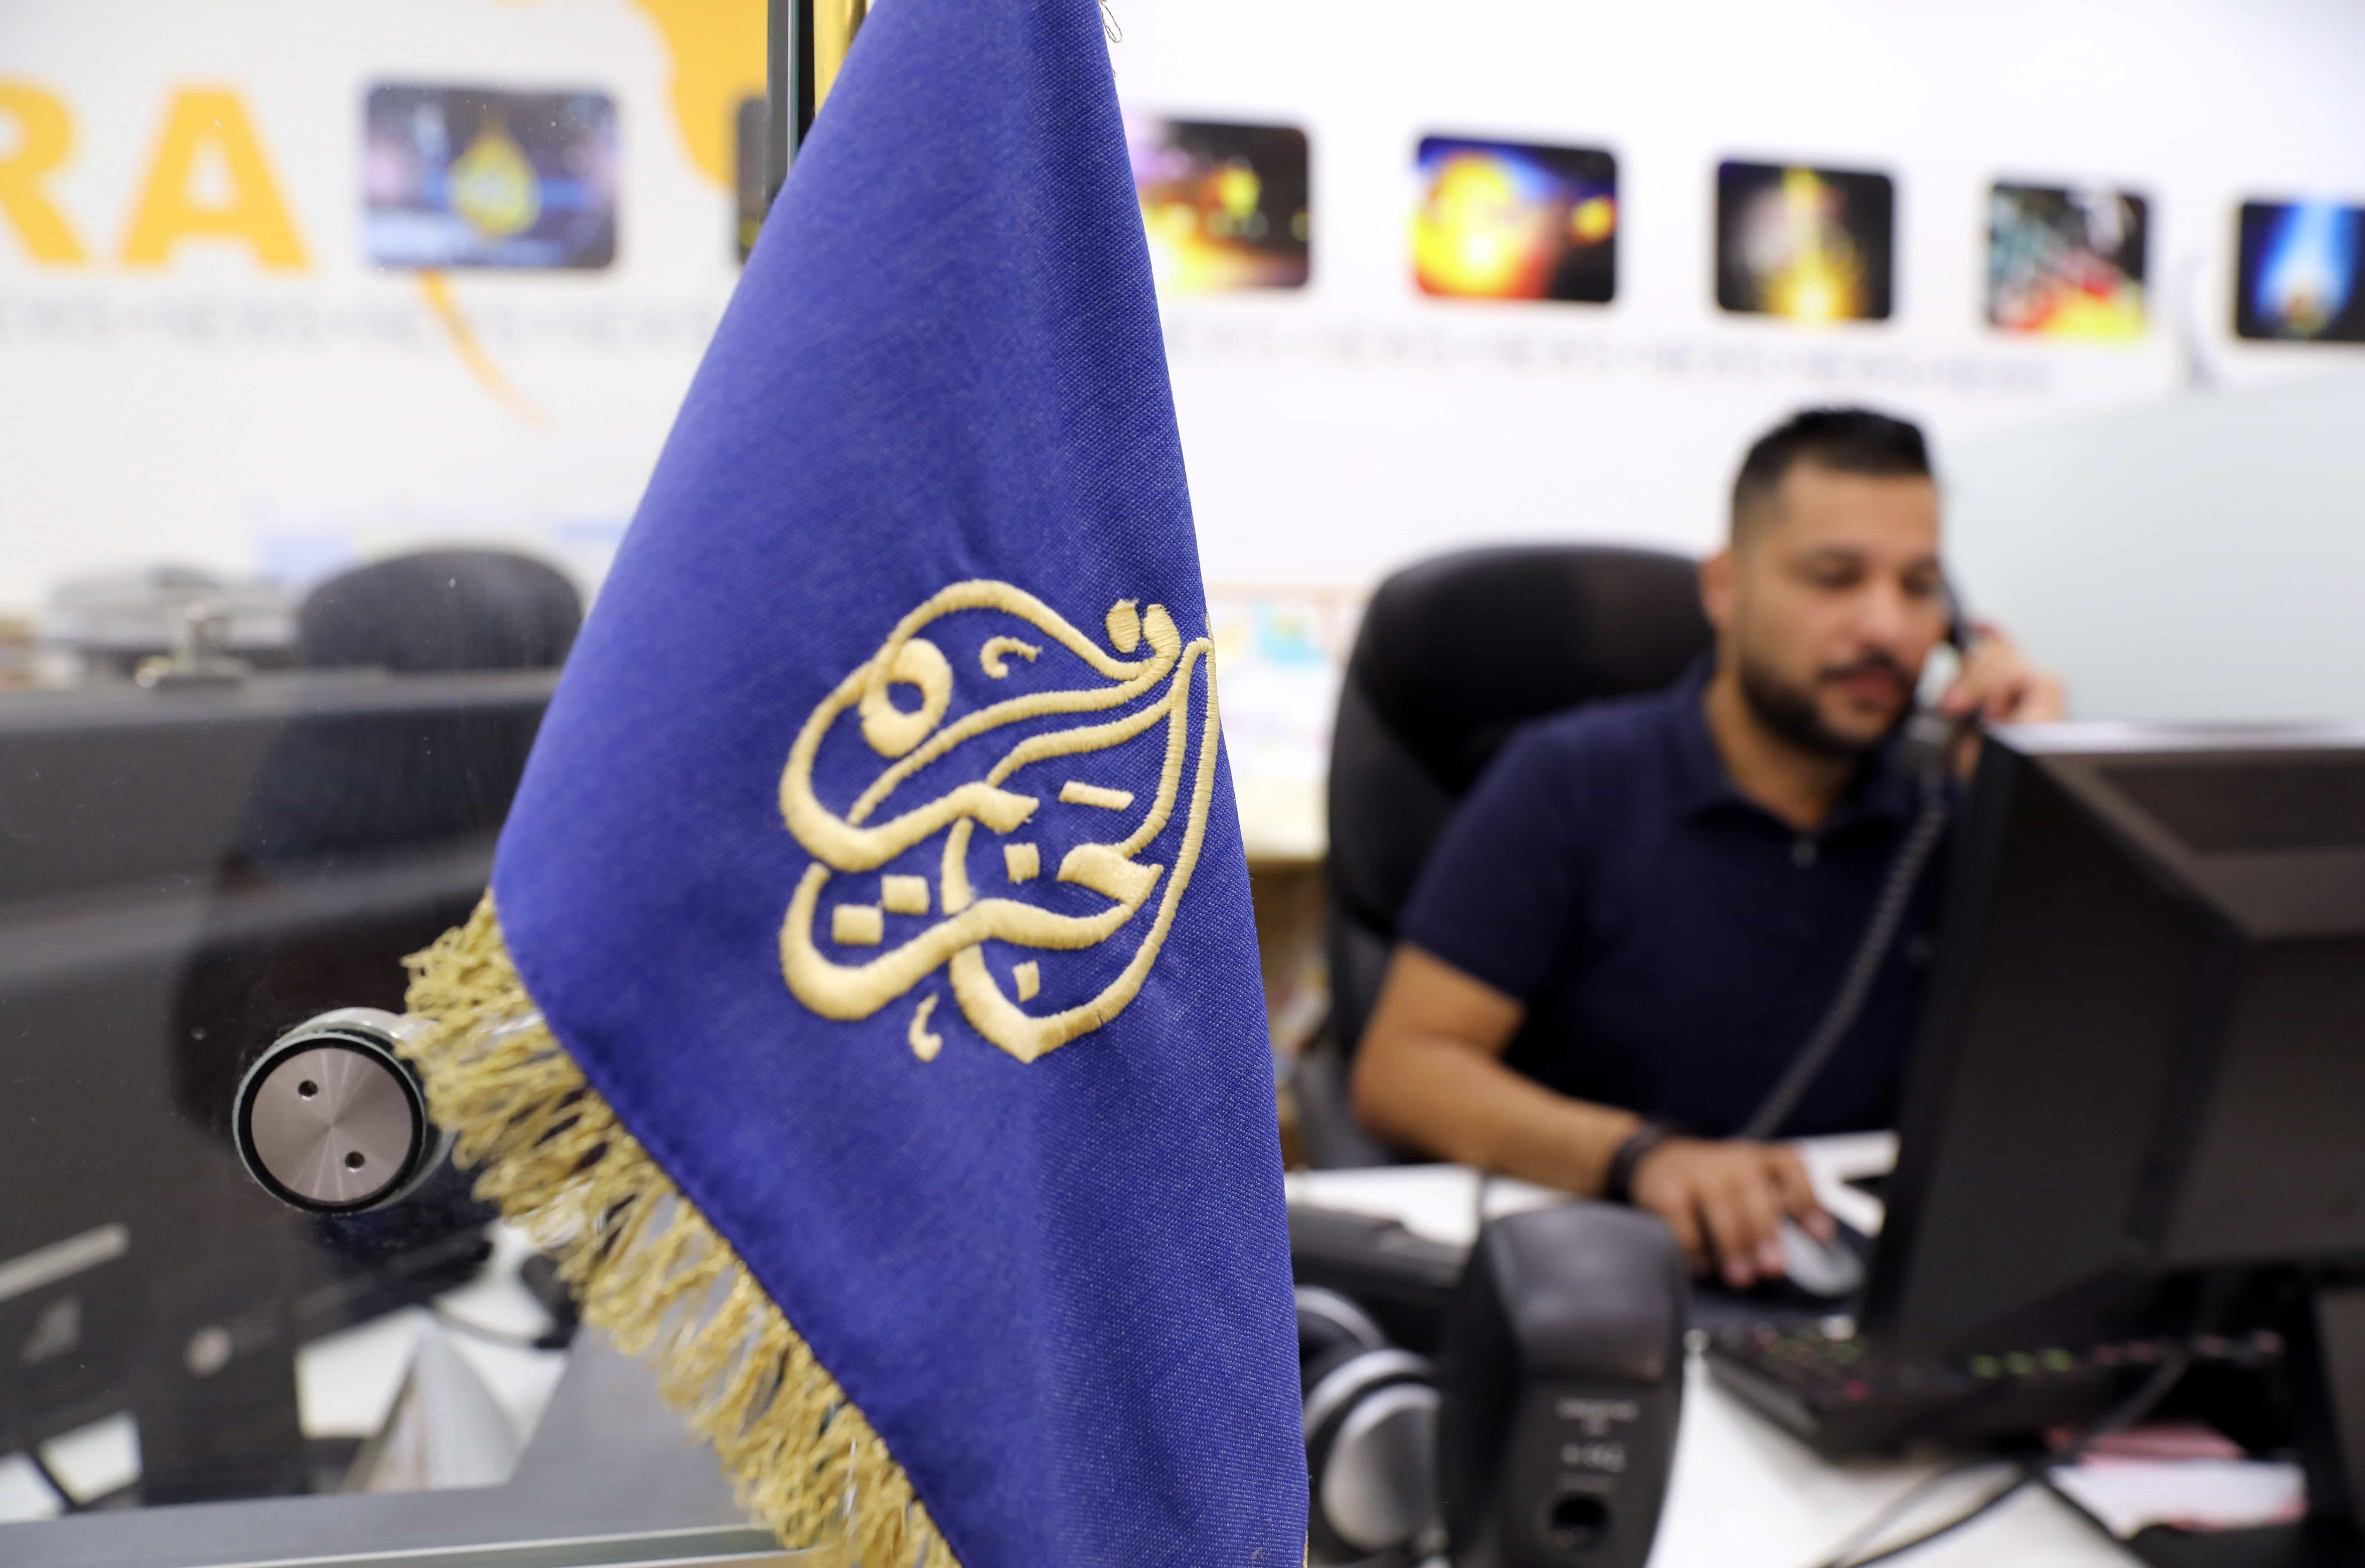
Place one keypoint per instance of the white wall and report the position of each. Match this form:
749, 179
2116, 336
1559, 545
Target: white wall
216, 412
1325, 438
2199, 559
223, 413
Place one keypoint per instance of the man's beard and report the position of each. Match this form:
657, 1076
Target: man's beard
1791, 711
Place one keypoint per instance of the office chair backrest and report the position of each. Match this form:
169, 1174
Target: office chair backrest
441, 609
364, 779
1454, 654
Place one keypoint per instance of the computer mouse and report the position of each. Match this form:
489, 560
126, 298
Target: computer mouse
1827, 1270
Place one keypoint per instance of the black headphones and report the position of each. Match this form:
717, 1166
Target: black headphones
1371, 1437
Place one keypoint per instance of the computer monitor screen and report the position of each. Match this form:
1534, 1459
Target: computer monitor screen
2143, 1051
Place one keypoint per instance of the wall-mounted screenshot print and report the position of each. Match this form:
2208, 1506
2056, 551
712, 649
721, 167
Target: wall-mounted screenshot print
477, 177
2065, 262
1806, 244
1504, 220
2298, 280
1226, 206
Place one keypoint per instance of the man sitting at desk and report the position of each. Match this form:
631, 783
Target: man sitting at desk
1642, 911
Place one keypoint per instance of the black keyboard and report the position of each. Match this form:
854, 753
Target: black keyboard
1841, 1394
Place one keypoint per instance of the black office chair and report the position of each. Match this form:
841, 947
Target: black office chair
348, 782
439, 611
1454, 654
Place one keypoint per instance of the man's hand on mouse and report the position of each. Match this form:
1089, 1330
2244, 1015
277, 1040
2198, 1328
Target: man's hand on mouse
1724, 1201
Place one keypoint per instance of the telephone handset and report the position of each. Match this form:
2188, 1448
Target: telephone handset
1935, 739
1959, 624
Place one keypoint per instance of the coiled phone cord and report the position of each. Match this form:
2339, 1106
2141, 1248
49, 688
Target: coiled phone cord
1864, 967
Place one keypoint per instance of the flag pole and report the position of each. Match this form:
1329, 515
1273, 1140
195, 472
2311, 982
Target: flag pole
806, 42
783, 20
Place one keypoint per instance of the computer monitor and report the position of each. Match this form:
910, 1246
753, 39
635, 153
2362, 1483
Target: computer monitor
2143, 1049
2139, 1079
184, 874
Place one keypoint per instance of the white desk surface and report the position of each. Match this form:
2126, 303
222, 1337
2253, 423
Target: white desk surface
1745, 1493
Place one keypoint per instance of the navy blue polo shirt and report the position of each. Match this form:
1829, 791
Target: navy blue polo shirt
1674, 942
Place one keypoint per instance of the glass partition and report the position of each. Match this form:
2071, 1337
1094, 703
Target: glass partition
335, 346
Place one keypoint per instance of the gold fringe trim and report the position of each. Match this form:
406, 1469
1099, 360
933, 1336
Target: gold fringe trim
646, 1266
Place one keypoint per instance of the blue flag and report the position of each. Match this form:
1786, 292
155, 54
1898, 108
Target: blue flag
866, 1004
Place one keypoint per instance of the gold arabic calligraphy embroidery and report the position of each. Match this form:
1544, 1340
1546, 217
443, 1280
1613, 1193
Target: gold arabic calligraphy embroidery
912, 740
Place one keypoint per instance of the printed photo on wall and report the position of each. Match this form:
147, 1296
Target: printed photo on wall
2298, 280
1226, 206
1806, 244
477, 177
1504, 221
2065, 262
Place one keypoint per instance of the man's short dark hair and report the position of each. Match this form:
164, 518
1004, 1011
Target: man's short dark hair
1847, 440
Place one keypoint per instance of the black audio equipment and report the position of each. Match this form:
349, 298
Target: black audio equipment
1543, 1434
1561, 1385
1403, 1280
1371, 1436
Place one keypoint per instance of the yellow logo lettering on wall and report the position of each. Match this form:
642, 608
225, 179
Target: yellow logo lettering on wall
171, 211
208, 179
717, 49
44, 137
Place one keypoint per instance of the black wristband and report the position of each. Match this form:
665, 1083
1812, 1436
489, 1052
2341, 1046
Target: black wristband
1617, 1181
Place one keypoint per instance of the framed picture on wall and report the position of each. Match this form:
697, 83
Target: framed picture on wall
2298, 280
2067, 260
1809, 245
456, 177
1511, 220
1226, 207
